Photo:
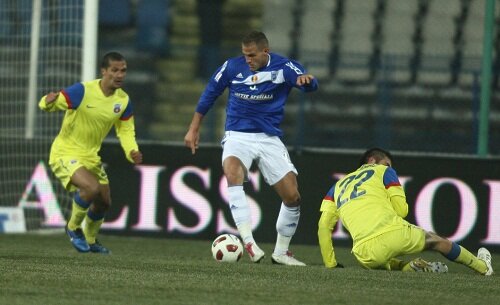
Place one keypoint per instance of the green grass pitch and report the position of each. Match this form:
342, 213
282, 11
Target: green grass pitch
45, 269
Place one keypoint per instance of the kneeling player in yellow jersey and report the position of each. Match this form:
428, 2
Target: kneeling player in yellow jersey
371, 204
92, 109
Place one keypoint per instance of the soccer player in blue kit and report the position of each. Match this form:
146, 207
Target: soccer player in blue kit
91, 109
259, 83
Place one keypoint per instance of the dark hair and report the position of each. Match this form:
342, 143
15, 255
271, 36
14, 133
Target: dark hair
256, 37
377, 153
111, 56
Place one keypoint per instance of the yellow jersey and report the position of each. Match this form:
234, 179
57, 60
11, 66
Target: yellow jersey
362, 201
89, 117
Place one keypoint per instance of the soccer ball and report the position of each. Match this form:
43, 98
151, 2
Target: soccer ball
227, 248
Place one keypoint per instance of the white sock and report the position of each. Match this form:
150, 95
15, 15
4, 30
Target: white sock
241, 212
282, 244
245, 230
286, 225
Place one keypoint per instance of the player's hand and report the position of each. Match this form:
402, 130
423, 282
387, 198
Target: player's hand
305, 80
51, 97
136, 156
191, 140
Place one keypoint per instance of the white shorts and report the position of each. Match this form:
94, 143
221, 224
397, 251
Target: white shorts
269, 153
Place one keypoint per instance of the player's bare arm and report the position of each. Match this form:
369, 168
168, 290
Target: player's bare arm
304, 80
192, 138
136, 156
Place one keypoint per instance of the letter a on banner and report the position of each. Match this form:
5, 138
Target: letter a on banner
47, 200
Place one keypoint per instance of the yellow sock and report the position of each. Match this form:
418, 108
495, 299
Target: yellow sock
407, 268
77, 215
470, 260
93, 224
397, 264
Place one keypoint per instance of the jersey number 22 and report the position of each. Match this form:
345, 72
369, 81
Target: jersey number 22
359, 179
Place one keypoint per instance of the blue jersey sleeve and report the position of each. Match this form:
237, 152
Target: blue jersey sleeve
218, 83
391, 178
292, 71
74, 95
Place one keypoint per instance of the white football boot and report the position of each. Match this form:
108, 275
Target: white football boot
420, 265
286, 259
256, 254
485, 255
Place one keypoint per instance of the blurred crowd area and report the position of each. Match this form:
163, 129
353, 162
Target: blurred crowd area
402, 74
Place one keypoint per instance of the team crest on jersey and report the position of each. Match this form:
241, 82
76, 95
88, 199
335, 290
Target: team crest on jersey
255, 78
117, 108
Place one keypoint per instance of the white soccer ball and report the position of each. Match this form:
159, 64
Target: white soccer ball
227, 248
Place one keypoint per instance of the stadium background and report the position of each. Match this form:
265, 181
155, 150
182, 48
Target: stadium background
404, 75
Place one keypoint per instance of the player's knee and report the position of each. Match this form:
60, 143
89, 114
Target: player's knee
430, 240
234, 175
292, 200
436, 242
89, 192
234, 171
234, 179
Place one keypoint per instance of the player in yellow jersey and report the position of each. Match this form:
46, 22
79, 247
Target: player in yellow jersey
371, 204
92, 109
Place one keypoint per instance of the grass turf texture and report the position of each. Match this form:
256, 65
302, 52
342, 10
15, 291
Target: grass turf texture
45, 269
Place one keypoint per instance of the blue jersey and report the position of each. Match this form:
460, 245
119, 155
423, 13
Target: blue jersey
256, 98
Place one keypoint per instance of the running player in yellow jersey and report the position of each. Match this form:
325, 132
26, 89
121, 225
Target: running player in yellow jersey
92, 109
371, 204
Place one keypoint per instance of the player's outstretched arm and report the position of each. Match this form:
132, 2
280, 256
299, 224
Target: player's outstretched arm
48, 101
326, 224
192, 138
